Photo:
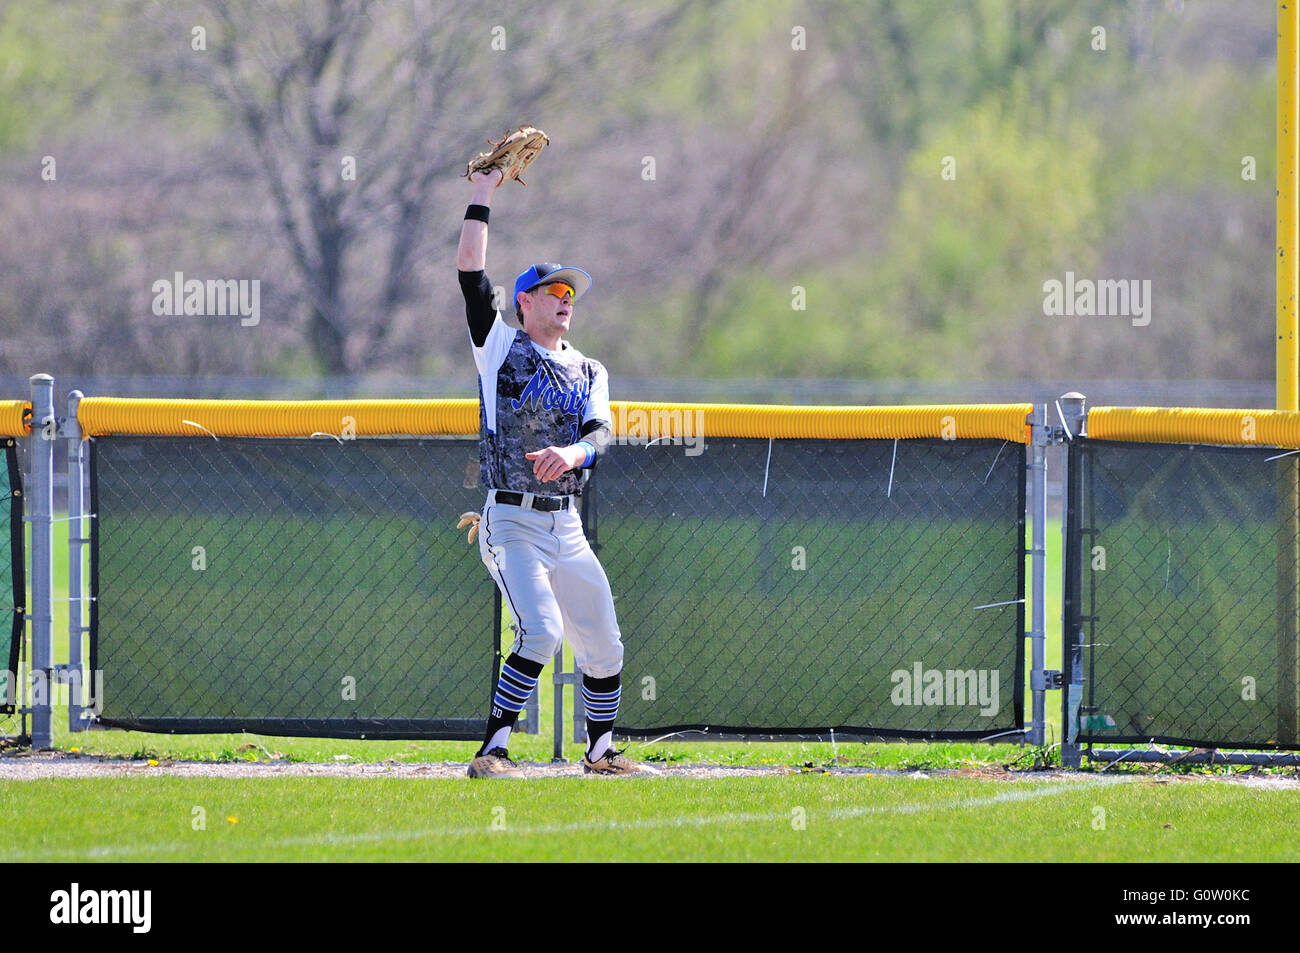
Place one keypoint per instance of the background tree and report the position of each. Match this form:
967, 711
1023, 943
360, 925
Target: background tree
773, 165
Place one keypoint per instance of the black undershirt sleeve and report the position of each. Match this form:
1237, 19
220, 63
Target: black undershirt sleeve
478, 304
598, 434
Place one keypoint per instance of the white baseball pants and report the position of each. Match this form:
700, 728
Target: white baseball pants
553, 584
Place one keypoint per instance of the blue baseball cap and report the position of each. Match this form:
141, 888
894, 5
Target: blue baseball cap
546, 272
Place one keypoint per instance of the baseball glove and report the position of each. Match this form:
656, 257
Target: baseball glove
471, 520
512, 155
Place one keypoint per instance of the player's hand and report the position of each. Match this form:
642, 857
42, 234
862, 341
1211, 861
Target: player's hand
553, 462
494, 176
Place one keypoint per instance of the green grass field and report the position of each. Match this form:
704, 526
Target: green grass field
790, 818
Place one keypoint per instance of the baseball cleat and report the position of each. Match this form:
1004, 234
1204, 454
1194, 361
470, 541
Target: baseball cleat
494, 764
613, 762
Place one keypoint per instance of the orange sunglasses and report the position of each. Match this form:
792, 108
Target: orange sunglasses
559, 289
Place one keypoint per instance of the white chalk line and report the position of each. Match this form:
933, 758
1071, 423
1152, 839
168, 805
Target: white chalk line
512, 832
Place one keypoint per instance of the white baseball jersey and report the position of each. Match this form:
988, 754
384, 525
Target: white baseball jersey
529, 397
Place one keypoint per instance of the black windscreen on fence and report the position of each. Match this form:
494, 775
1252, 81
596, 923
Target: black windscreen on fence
1182, 553
794, 586
305, 587
12, 579
767, 587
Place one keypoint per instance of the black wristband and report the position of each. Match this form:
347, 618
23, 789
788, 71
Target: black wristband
477, 213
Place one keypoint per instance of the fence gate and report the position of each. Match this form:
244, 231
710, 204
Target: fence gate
1180, 589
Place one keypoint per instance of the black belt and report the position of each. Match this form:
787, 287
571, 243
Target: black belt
548, 504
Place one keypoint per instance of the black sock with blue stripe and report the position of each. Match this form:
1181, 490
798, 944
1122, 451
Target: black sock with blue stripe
600, 697
517, 681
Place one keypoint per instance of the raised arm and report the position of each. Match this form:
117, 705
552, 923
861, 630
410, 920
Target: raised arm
472, 253
471, 259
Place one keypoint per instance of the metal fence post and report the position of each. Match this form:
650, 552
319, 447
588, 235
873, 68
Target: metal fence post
557, 707
41, 611
1071, 409
560, 678
76, 674
579, 709
1038, 683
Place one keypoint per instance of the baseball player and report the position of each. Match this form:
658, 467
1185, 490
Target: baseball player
543, 418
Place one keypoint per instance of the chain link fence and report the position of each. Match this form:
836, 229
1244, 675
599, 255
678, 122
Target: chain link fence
314, 587
290, 586
13, 584
785, 587
1182, 556
790, 587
